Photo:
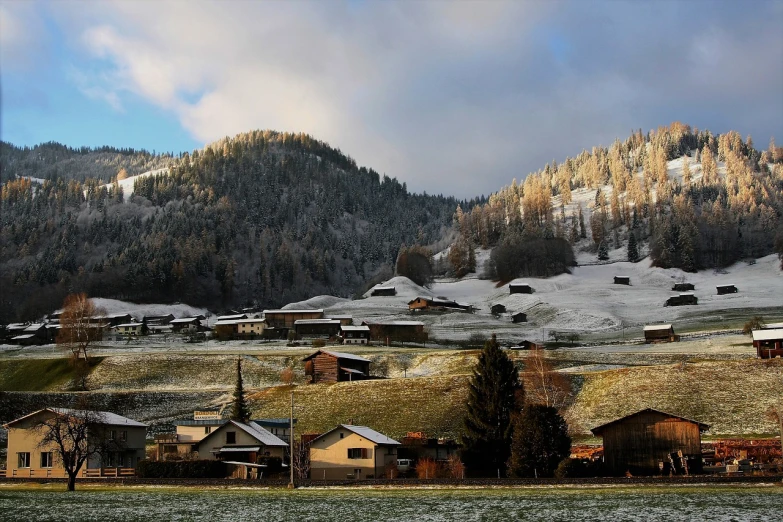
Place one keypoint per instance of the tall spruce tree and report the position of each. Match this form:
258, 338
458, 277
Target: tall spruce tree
494, 394
633, 249
240, 412
539, 443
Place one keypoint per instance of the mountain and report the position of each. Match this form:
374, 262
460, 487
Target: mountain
264, 218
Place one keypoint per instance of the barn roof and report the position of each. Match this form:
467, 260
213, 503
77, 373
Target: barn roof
316, 321
338, 355
599, 429
768, 335
355, 328
656, 327
383, 288
363, 431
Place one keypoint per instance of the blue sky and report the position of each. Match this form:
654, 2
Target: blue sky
450, 97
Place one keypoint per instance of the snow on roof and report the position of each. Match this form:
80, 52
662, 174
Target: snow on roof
16, 326
251, 320
22, 337
184, 320
292, 311
105, 417
355, 328
768, 335
128, 325
224, 322
370, 434
317, 321
231, 317
653, 327
687, 294
383, 288
724, 284
343, 355
772, 326
260, 433
34, 327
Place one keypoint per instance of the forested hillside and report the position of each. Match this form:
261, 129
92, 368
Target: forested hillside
263, 218
694, 200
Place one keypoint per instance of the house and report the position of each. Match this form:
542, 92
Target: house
399, 331
682, 299
354, 452
520, 288
683, 287
33, 334
648, 441
519, 317
355, 334
528, 345
130, 329
250, 327
726, 289
660, 333
226, 328
327, 366
498, 309
240, 442
768, 343
232, 317
287, 318
186, 325
13, 330
416, 445
622, 280
383, 291
123, 440
436, 304
158, 320
113, 319
317, 328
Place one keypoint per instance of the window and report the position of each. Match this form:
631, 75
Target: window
46, 459
342, 435
207, 430
24, 460
231, 437
124, 435
358, 453
112, 434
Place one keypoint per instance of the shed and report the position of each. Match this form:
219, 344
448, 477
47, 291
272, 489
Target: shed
528, 345
768, 343
383, 291
498, 309
683, 287
660, 333
622, 280
436, 304
401, 331
520, 288
328, 366
519, 317
682, 299
726, 289
643, 443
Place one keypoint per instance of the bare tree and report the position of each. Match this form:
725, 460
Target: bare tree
79, 329
775, 414
543, 385
300, 452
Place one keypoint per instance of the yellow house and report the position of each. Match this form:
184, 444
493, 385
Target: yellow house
251, 326
240, 442
124, 441
351, 452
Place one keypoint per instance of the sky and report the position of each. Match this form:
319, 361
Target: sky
454, 98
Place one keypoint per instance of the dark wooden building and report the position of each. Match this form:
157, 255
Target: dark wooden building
383, 291
681, 300
498, 309
643, 443
622, 280
683, 287
435, 304
519, 317
520, 288
397, 331
660, 333
726, 289
151, 320
768, 343
287, 318
326, 366
528, 345
317, 328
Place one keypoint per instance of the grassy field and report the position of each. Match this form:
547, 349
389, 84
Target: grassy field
37, 375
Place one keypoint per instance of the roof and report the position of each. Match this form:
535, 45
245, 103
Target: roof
768, 335
22, 337
108, 418
128, 325
383, 288
317, 321
355, 328
519, 284
319, 310
654, 327
396, 323
34, 327
184, 320
598, 429
259, 433
250, 320
237, 449
351, 370
230, 317
227, 321
338, 355
687, 294
363, 431
724, 285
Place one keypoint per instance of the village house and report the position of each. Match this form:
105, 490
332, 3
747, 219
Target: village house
651, 442
383, 291
519, 317
33, 334
726, 289
497, 309
682, 299
520, 288
396, 331
250, 328
683, 287
436, 304
13, 330
622, 280
355, 334
317, 328
157, 320
186, 325
226, 328
328, 366
130, 329
122, 439
244, 445
768, 343
660, 333
285, 319
353, 452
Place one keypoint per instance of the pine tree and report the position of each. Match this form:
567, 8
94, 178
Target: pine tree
240, 411
603, 253
633, 250
686, 171
494, 394
582, 230
539, 443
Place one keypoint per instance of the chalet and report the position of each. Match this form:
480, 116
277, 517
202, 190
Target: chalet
519, 317
683, 287
327, 366
355, 334
317, 328
528, 345
726, 289
353, 452
186, 325
520, 288
768, 343
383, 291
682, 299
646, 442
436, 304
123, 441
498, 309
226, 328
130, 329
660, 333
400, 331
287, 318
113, 319
33, 334
159, 320
622, 280
345, 320
240, 442
250, 328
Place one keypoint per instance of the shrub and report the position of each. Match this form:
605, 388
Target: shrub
319, 343
577, 468
426, 469
181, 469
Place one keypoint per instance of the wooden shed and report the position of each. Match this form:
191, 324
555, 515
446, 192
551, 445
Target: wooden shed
498, 309
683, 287
436, 304
519, 317
622, 280
726, 289
327, 366
520, 288
768, 343
660, 333
682, 299
645, 442
383, 291
528, 345
401, 331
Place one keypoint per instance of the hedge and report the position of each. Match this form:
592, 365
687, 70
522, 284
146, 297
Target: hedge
182, 469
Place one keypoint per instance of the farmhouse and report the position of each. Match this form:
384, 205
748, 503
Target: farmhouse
768, 343
622, 280
327, 366
646, 442
317, 328
113, 319
519, 317
682, 299
287, 318
122, 440
130, 329
683, 287
660, 333
520, 288
36, 333
354, 452
241, 443
498, 309
158, 320
186, 325
355, 334
400, 331
436, 304
227, 328
726, 289
383, 291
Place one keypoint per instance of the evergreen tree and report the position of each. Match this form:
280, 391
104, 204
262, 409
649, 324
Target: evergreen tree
603, 253
633, 250
494, 393
539, 443
582, 230
240, 411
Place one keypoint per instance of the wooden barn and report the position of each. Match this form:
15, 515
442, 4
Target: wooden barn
520, 288
660, 333
726, 289
768, 343
622, 280
519, 317
649, 441
528, 345
327, 366
383, 291
498, 309
683, 287
287, 318
317, 328
682, 299
400, 331
436, 304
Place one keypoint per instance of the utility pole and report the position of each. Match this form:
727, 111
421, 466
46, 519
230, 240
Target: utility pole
291, 444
